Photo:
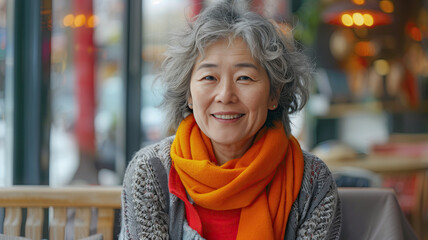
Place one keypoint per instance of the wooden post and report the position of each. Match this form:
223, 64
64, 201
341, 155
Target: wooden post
84, 62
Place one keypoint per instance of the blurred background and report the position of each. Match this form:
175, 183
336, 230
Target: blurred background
78, 90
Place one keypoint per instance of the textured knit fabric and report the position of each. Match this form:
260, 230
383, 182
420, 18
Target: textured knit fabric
145, 215
242, 183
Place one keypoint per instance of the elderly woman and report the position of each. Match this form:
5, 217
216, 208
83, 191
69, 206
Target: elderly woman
233, 170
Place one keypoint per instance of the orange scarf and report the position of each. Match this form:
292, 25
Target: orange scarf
264, 182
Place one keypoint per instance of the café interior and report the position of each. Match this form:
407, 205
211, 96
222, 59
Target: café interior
85, 72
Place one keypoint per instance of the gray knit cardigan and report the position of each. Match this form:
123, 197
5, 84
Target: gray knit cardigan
149, 211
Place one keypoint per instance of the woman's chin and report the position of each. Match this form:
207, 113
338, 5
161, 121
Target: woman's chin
230, 140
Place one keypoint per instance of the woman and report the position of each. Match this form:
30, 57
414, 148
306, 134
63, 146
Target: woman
233, 170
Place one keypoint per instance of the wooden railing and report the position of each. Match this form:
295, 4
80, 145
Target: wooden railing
37, 198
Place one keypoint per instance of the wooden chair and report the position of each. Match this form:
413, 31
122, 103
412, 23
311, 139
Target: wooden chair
36, 198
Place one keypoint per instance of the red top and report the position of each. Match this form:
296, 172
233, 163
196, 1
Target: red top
210, 224
219, 224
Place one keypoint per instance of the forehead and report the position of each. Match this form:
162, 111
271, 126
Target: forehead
226, 46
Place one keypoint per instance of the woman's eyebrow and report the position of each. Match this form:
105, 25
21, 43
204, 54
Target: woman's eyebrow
239, 65
207, 65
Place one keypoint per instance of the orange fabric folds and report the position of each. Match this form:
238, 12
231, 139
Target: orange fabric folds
264, 182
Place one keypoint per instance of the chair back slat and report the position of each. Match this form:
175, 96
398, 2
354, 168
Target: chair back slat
43, 196
58, 200
34, 223
57, 225
105, 223
12, 221
82, 222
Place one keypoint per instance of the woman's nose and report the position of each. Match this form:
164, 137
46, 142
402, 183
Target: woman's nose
226, 92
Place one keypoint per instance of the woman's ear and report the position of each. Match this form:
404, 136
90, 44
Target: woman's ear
190, 102
273, 103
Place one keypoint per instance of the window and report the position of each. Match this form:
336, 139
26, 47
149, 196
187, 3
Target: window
86, 87
5, 166
160, 19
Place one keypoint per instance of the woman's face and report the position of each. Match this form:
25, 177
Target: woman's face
230, 93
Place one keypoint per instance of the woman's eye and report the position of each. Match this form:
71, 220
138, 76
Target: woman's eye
245, 78
209, 78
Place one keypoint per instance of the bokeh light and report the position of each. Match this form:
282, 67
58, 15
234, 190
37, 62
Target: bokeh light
79, 20
381, 67
347, 20
68, 20
386, 6
92, 21
358, 18
368, 20
359, 2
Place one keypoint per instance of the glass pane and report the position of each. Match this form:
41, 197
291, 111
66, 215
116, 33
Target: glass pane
3, 28
86, 91
160, 18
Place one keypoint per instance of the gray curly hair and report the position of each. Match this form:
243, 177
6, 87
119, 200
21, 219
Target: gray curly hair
288, 69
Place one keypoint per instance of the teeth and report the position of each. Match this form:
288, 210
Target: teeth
228, 117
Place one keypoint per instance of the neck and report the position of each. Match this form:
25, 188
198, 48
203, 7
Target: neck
227, 152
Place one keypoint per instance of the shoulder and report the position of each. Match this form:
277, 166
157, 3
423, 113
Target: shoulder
318, 205
159, 150
141, 170
317, 178
143, 196
318, 201
317, 183
315, 170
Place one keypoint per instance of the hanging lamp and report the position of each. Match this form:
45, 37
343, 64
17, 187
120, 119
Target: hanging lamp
349, 14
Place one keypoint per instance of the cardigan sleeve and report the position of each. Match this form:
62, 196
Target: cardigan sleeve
143, 213
128, 221
319, 208
324, 221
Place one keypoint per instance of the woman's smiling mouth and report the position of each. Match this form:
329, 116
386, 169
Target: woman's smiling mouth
227, 116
